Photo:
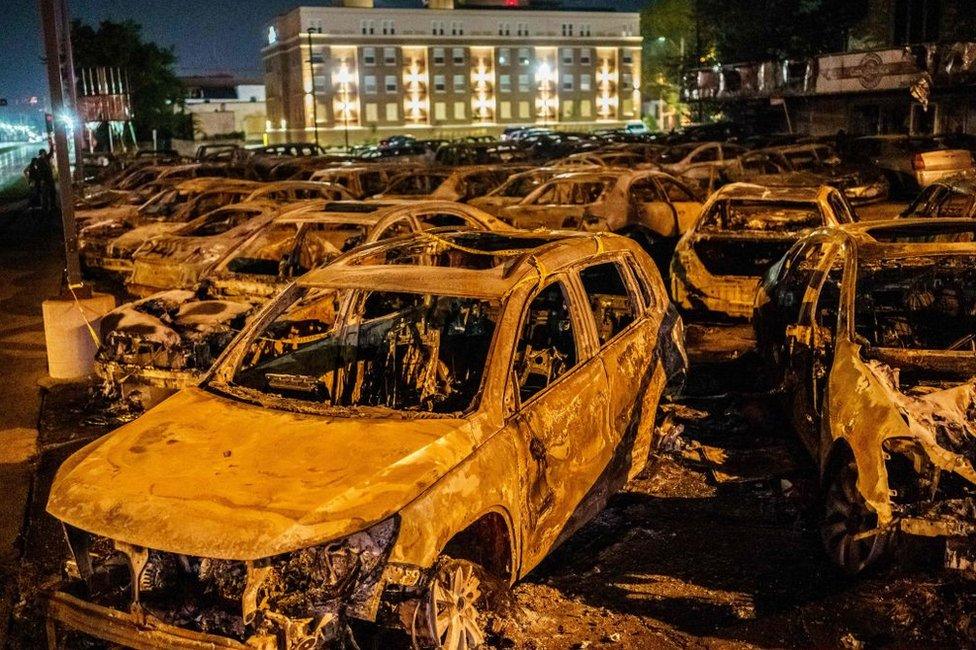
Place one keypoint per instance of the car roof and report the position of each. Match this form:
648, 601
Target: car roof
897, 238
529, 257
757, 192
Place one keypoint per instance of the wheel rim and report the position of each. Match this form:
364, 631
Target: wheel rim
846, 514
452, 611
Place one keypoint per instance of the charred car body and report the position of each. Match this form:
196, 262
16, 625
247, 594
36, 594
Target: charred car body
873, 327
381, 453
170, 338
745, 229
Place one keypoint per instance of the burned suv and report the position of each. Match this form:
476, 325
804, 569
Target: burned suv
874, 326
385, 442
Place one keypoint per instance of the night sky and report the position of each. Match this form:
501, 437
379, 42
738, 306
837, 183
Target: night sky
208, 36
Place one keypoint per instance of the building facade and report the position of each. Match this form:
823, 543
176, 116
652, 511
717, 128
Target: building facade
223, 105
362, 73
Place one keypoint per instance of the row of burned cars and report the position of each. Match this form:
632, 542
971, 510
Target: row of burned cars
386, 406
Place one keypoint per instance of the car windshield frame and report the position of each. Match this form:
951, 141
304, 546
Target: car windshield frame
350, 303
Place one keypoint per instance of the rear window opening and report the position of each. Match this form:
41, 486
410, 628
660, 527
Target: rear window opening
782, 217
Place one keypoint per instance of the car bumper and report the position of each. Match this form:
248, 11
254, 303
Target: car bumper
158, 377
134, 630
701, 292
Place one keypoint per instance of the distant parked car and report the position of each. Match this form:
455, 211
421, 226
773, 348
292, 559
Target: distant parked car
911, 162
953, 196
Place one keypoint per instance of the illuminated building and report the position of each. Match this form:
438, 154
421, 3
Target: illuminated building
447, 71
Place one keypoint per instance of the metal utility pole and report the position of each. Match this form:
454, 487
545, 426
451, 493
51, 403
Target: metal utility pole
53, 20
71, 87
311, 71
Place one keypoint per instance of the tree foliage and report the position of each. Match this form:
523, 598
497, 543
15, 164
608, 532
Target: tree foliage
156, 93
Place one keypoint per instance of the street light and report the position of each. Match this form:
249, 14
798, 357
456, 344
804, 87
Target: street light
311, 71
344, 78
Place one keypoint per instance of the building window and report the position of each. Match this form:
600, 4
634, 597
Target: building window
437, 27
504, 29
567, 82
369, 56
390, 83
460, 81
505, 110
626, 81
459, 110
503, 56
505, 83
372, 112
585, 108
440, 111
567, 29
388, 27
389, 55
457, 55
364, 26
628, 57
438, 56
584, 30
567, 107
523, 110
567, 54
370, 27
584, 82
392, 114
457, 28
524, 83
585, 56
522, 29
369, 84
440, 85
524, 58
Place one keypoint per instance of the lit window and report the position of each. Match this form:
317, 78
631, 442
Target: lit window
438, 56
524, 58
503, 56
585, 108
440, 111
585, 82
626, 81
389, 55
523, 85
505, 110
390, 83
369, 84
440, 85
460, 110
585, 56
460, 82
567, 54
457, 55
567, 82
505, 83
523, 109
372, 112
567, 107
392, 113
369, 55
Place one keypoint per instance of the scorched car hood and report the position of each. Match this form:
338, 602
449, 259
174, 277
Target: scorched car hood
207, 476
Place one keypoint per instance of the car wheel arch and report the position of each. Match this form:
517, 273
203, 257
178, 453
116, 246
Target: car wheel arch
489, 541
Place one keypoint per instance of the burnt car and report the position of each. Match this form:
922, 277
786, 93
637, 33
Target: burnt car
873, 328
361, 181
460, 184
651, 207
818, 164
952, 197
385, 443
173, 351
744, 229
517, 187
100, 230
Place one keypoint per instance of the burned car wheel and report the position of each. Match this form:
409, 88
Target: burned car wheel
846, 517
450, 616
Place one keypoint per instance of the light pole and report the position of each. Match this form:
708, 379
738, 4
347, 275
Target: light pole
311, 71
344, 78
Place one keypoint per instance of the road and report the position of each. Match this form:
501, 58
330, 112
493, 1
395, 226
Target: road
13, 161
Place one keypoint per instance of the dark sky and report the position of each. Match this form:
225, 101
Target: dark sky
209, 36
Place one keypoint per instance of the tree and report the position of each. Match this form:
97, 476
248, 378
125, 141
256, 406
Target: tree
156, 93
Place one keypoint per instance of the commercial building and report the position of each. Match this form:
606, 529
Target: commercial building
223, 105
365, 73
909, 67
